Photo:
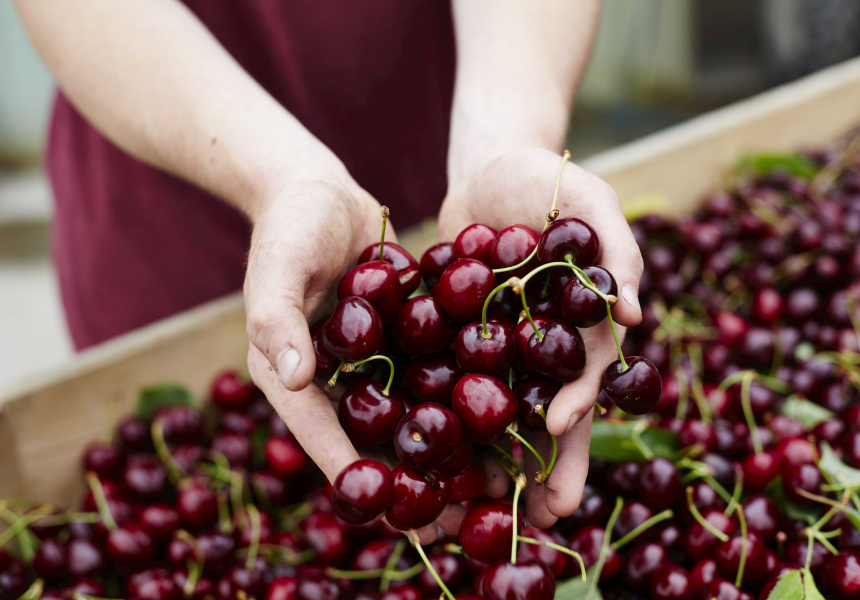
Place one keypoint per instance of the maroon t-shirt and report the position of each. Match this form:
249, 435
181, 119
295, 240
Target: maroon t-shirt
373, 80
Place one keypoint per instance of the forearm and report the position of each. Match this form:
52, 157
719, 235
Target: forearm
518, 65
154, 81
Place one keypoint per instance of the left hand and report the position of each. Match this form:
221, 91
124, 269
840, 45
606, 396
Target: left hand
516, 186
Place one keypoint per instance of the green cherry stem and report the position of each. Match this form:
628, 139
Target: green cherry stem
101, 501
174, 471
585, 280
34, 592
643, 527
624, 366
485, 333
542, 412
701, 520
604, 548
554, 546
375, 573
744, 547
254, 547
350, 367
541, 477
416, 543
385, 212
746, 386
385, 577
735, 498
329, 385
519, 484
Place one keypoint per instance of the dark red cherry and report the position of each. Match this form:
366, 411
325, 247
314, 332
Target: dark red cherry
641, 564
760, 469
804, 477
325, 362
133, 434
468, 484
235, 447
354, 330
796, 452
285, 457
103, 460
485, 532
659, 483
490, 352
720, 589
327, 537
485, 406
530, 580
623, 479
801, 304
703, 573
231, 391
842, 577
728, 554
362, 491
421, 327
559, 352
568, 236
449, 568
766, 306
427, 436
144, 476
513, 245
532, 393
368, 415
434, 261
697, 433
699, 542
50, 558
555, 561
268, 488
282, 588
417, 498
196, 504
180, 423
83, 557
375, 281
671, 582
522, 334
130, 543
475, 241
407, 267
588, 542
763, 517
463, 288
582, 307
160, 519
592, 510
433, 378
731, 328
237, 422
631, 516
636, 390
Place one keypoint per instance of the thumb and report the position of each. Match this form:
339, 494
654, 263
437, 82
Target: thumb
279, 330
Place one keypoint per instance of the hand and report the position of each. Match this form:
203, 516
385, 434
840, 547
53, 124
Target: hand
303, 241
517, 186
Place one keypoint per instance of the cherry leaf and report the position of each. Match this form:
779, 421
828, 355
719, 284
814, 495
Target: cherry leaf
613, 441
808, 413
150, 399
837, 471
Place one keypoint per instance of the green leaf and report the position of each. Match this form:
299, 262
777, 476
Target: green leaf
150, 399
34, 592
792, 164
789, 587
576, 589
775, 492
808, 413
810, 590
836, 470
613, 441
259, 437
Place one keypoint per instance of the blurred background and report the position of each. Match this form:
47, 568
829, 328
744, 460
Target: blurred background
656, 63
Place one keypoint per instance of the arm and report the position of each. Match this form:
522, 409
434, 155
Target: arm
152, 79
518, 67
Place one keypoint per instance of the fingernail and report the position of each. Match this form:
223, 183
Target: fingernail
288, 361
631, 297
574, 419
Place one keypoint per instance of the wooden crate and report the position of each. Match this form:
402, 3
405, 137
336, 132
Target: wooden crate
45, 424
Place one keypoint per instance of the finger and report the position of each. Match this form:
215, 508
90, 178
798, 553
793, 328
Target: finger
310, 417
576, 398
451, 518
428, 534
496, 480
567, 480
536, 510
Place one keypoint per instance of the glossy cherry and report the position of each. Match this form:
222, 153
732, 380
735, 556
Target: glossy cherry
699, 542
671, 582
532, 394
529, 580
806, 477
196, 505
407, 267
476, 242
354, 330
421, 327
490, 352
130, 543
463, 288
417, 498
727, 555
468, 484
235, 447
522, 334
843, 576
427, 436
144, 476
512, 245
659, 483
558, 352
720, 589
102, 459
368, 415
285, 457
231, 390
485, 532
588, 542
362, 491
581, 306
434, 261
450, 569
635, 390
433, 378
569, 236
375, 281
485, 406
641, 564
555, 561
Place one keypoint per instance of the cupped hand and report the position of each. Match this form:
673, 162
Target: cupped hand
517, 186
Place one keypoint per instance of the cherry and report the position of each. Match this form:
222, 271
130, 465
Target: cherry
532, 394
362, 491
180, 423
631, 516
796, 452
697, 433
581, 306
703, 573
843, 575
728, 554
235, 447
196, 505
459, 461
237, 422
485, 406
282, 588
375, 281
671, 582
540, 301
13, 578
368, 415
766, 305
325, 362
592, 510
434, 261
50, 558
404, 591
354, 330
530, 580
433, 378
555, 561
806, 477
486, 531
231, 391
762, 515
699, 542
160, 519
327, 537
468, 484
103, 460
89, 587
407, 267
421, 327
761, 468
801, 304
568, 236
144, 476
130, 544
417, 499
463, 288
558, 352
522, 334
641, 564
659, 483
796, 553
285, 457
851, 448
269, 489
188, 455
240, 577
450, 569
635, 390
490, 353
476, 242
720, 589
427, 436
623, 479
133, 434
513, 245
832, 431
